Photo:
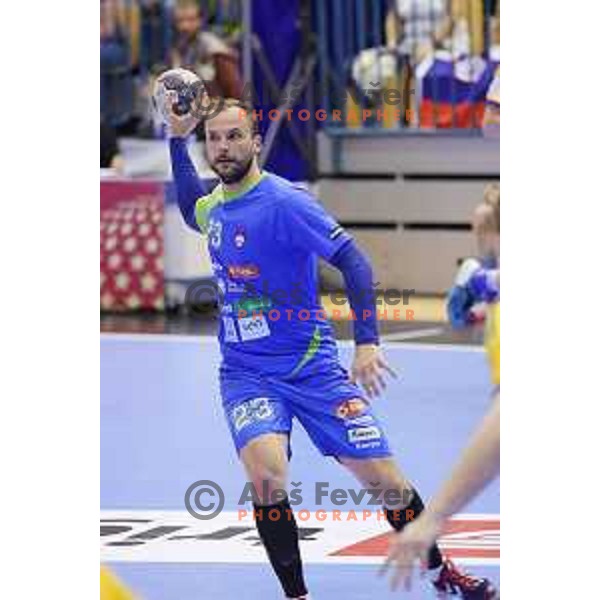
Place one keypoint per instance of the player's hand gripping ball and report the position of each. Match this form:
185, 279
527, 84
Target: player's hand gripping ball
181, 87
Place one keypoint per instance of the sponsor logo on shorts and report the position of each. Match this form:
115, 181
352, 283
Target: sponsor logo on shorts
364, 434
350, 409
360, 421
368, 445
243, 271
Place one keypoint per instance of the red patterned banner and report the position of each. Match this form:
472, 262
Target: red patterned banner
131, 245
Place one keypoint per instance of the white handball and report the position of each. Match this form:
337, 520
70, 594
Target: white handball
187, 86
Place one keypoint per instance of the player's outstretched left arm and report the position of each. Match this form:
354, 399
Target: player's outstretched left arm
478, 465
187, 183
369, 365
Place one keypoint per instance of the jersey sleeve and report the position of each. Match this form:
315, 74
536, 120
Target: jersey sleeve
188, 187
203, 207
305, 225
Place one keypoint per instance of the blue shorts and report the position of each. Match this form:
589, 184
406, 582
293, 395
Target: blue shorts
333, 411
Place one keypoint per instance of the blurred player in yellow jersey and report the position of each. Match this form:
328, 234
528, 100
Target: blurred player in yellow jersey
477, 281
112, 588
486, 225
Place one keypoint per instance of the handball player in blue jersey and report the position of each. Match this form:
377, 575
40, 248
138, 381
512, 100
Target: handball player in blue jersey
279, 355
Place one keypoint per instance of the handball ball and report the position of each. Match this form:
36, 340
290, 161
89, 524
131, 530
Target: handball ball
186, 84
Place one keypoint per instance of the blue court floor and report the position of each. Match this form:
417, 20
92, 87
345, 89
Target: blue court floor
162, 429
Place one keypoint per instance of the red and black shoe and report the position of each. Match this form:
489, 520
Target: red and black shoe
453, 581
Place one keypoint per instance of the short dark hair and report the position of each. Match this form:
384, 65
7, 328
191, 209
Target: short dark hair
246, 111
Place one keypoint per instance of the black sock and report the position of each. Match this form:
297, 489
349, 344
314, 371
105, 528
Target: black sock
279, 534
398, 519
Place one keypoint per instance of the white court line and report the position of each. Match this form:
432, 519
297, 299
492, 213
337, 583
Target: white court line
158, 337
411, 335
211, 339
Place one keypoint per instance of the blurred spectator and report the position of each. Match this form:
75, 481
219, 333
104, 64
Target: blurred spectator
224, 17
413, 26
119, 55
204, 52
494, 32
110, 156
155, 25
416, 28
491, 116
467, 34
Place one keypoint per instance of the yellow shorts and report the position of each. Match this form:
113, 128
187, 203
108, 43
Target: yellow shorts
111, 588
492, 341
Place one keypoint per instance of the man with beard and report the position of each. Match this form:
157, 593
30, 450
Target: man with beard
279, 355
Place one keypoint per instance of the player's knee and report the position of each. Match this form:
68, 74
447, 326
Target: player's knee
268, 483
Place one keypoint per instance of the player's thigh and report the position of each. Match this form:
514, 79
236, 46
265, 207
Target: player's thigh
260, 423
337, 417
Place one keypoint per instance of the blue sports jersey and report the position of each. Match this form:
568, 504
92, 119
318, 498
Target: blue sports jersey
264, 244
279, 356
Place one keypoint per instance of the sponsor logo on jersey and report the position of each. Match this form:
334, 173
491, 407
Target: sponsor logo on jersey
253, 305
243, 271
234, 287
253, 328
229, 330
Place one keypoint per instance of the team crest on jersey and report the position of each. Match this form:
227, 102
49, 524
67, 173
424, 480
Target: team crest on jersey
239, 237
